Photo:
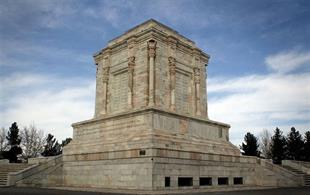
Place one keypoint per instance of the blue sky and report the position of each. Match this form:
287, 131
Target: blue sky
258, 75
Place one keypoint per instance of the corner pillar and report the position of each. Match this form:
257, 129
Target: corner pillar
172, 71
197, 89
105, 80
131, 65
151, 54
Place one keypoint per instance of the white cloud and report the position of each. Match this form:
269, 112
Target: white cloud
287, 61
52, 103
255, 102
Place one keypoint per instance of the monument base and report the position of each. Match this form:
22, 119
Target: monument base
170, 173
153, 149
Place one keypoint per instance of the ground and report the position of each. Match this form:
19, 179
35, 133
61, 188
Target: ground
39, 191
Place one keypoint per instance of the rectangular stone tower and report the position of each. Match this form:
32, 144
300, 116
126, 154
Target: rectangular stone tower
151, 129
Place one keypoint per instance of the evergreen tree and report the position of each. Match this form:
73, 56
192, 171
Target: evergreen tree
52, 147
295, 145
66, 142
278, 146
307, 146
14, 143
250, 145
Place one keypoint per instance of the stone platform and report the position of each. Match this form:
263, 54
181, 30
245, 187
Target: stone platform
152, 149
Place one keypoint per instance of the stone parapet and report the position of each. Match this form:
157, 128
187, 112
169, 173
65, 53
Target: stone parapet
299, 165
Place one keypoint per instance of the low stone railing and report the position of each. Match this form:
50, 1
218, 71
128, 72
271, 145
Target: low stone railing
39, 160
267, 163
4, 161
299, 165
34, 169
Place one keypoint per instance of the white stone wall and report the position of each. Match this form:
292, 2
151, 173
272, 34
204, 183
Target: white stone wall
115, 174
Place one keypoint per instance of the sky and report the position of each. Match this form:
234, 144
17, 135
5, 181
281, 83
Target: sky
258, 74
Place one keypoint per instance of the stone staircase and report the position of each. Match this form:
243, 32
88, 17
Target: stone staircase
5, 169
307, 180
298, 172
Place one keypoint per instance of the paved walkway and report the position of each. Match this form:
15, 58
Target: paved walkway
41, 191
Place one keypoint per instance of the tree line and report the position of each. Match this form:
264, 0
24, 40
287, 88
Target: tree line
278, 147
18, 145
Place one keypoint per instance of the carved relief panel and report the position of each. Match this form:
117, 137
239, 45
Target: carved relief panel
182, 92
119, 85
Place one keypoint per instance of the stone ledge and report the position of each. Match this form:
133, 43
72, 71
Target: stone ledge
148, 110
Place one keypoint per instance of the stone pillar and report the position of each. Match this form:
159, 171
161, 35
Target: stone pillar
151, 54
172, 70
197, 89
206, 75
172, 45
102, 78
131, 65
105, 80
196, 64
98, 104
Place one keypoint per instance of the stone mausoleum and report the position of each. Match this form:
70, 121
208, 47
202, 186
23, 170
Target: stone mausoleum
151, 129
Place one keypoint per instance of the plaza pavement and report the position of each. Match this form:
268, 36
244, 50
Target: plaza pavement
44, 191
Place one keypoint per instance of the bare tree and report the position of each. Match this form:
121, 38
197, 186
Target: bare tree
264, 146
32, 141
3, 140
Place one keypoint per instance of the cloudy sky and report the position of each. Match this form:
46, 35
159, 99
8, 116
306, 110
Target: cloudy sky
259, 72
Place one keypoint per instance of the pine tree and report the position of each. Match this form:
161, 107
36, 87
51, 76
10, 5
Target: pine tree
250, 145
295, 145
66, 142
307, 146
278, 146
52, 147
14, 143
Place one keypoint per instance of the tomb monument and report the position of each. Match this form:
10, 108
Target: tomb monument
150, 130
